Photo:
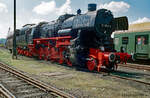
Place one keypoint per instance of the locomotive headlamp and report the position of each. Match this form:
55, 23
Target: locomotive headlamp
112, 57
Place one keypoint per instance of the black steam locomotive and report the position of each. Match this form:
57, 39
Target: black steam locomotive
89, 34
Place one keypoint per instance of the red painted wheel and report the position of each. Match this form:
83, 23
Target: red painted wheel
69, 62
30, 53
91, 64
40, 53
46, 53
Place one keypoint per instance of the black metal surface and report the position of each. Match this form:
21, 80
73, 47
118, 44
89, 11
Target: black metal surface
93, 28
90, 30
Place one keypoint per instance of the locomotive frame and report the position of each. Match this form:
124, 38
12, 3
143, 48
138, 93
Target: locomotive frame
97, 58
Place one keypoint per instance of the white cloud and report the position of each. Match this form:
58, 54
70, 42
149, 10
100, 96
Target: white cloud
35, 20
3, 31
65, 8
46, 8
3, 8
116, 7
141, 20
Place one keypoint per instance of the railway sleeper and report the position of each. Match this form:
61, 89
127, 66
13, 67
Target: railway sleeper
33, 95
14, 85
27, 91
14, 81
8, 79
21, 88
4, 74
25, 87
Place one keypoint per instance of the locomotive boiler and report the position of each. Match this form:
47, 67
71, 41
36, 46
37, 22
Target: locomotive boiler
82, 39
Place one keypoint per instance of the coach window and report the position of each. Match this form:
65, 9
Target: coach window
143, 40
125, 40
139, 40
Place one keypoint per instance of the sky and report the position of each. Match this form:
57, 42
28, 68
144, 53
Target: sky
34, 11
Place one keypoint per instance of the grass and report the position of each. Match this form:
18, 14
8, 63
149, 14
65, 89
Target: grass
80, 83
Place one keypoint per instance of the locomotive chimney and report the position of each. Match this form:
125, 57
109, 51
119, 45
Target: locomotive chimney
92, 7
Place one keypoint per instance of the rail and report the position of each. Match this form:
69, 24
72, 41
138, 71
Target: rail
4, 93
36, 83
125, 78
136, 66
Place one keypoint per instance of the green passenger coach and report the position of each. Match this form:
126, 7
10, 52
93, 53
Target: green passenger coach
136, 43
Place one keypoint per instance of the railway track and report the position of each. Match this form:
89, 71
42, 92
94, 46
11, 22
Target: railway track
4, 93
130, 79
136, 66
23, 86
114, 75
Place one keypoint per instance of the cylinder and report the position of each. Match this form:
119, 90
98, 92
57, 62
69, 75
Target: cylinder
92, 7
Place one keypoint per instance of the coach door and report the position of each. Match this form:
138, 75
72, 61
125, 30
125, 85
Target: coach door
125, 41
142, 44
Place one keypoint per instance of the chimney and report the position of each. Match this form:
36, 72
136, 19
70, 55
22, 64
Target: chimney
92, 7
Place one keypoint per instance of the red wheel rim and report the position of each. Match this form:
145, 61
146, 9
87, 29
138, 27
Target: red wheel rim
46, 53
40, 53
69, 62
91, 64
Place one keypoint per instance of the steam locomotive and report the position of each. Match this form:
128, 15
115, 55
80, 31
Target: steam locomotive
82, 39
